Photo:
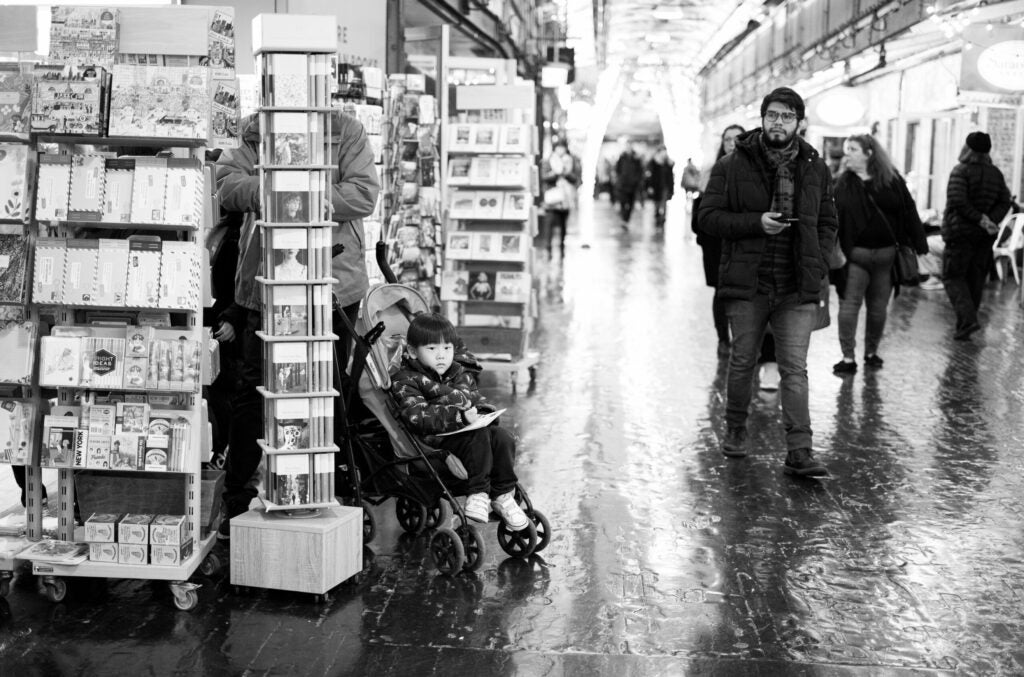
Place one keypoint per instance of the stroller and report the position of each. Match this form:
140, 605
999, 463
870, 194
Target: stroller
386, 461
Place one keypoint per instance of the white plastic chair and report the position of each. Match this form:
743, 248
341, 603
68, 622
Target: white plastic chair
1005, 247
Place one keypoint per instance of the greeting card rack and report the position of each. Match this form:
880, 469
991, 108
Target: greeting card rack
295, 117
487, 282
176, 298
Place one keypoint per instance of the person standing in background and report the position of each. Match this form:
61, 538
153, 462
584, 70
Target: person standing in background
661, 183
629, 175
977, 199
560, 176
876, 214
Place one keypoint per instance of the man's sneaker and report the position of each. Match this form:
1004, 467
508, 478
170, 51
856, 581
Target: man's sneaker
513, 516
844, 367
477, 507
932, 284
802, 462
769, 376
965, 333
873, 361
735, 443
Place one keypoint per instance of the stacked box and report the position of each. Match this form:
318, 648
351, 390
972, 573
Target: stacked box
101, 535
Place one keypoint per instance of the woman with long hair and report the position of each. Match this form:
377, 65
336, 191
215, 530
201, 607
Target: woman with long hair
876, 214
977, 199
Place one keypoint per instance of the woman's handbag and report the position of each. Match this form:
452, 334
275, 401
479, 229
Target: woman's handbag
905, 265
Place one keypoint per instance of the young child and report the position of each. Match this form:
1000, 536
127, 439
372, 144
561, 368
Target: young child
436, 394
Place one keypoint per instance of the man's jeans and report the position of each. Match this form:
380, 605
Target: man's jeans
792, 323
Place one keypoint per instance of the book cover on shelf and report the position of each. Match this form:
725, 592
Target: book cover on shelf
118, 182
63, 106
84, 36
488, 204
485, 246
290, 264
85, 202
483, 171
481, 285
15, 100
291, 479
18, 346
221, 43
179, 275
102, 363
485, 138
517, 205
48, 274
286, 80
295, 138
296, 196
59, 360
462, 203
289, 364
143, 281
289, 307
149, 189
100, 419
459, 170
58, 441
13, 262
512, 247
459, 246
56, 552
462, 138
160, 101
515, 139
183, 202
131, 417
454, 285
111, 272
225, 114
13, 178
512, 171
124, 451
80, 271
98, 451
157, 452
17, 426
53, 187
291, 422
512, 287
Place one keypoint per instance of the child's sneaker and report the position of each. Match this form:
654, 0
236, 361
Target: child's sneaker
477, 508
506, 506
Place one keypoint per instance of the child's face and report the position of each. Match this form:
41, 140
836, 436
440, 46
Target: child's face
437, 356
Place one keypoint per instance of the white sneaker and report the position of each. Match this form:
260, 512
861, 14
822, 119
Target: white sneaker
769, 376
477, 507
506, 506
932, 284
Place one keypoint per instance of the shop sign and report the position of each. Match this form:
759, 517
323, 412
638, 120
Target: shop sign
995, 60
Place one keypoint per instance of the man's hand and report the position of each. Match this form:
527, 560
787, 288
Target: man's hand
470, 414
771, 224
990, 226
225, 333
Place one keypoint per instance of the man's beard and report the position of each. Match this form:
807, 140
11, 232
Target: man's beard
772, 142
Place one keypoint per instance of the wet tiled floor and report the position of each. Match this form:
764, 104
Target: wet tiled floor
666, 557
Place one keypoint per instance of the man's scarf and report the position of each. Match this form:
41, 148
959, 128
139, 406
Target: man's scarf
783, 162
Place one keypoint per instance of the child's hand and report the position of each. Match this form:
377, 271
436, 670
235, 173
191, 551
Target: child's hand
470, 414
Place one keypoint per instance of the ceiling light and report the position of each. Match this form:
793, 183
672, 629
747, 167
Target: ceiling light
669, 13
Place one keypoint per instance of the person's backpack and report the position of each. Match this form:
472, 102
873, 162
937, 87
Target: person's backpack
691, 177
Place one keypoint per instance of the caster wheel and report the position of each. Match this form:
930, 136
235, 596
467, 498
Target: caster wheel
517, 543
540, 522
447, 552
55, 590
472, 546
185, 600
412, 516
369, 523
210, 565
437, 515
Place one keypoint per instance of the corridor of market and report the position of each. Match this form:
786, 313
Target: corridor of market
666, 557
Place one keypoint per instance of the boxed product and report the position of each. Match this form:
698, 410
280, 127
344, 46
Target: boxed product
85, 202
170, 555
117, 190
167, 530
101, 528
103, 552
132, 553
134, 529
53, 188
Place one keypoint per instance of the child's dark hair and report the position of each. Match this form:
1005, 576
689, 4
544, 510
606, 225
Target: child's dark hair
428, 328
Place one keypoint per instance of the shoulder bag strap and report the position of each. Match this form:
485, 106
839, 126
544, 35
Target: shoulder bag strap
881, 214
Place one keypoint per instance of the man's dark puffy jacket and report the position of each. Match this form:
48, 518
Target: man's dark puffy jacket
974, 188
740, 191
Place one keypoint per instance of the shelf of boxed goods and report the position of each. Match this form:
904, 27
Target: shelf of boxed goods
53, 573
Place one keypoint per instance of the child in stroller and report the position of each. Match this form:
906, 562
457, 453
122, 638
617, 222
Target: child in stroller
435, 396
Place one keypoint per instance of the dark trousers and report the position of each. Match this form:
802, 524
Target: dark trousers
721, 321
489, 455
244, 454
343, 348
626, 198
557, 219
965, 267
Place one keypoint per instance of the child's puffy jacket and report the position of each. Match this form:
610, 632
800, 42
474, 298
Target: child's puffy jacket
429, 404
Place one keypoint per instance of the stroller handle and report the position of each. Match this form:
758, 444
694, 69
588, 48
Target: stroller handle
382, 262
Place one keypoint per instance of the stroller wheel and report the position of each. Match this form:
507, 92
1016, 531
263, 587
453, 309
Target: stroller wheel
472, 546
520, 543
412, 515
369, 524
446, 551
543, 529
437, 515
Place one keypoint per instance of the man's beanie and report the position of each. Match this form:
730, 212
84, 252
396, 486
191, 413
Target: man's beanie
979, 142
786, 96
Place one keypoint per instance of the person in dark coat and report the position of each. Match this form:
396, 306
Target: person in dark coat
629, 175
876, 214
977, 199
770, 201
661, 183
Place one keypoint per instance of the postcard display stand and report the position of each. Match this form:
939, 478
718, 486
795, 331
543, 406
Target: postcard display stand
487, 283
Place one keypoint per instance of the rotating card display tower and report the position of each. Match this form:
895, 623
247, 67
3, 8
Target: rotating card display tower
296, 230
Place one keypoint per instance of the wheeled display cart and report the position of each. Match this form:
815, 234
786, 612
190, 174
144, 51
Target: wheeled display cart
129, 490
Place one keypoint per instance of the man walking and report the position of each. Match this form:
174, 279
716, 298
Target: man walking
771, 203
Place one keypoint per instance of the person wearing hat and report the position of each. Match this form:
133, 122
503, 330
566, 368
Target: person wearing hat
977, 199
770, 202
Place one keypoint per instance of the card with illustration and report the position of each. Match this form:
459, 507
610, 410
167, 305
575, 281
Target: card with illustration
481, 285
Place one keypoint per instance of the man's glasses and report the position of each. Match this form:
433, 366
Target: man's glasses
772, 116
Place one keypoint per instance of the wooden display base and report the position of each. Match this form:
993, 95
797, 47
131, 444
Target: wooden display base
304, 554
517, 373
